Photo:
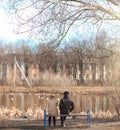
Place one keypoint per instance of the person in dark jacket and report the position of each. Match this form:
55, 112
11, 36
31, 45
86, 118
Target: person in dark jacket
65, 107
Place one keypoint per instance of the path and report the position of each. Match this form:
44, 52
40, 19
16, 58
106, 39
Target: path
38, 125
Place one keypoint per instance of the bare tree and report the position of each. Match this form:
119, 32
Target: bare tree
77, 54
114, 67
102, 55
51, 20
46, 57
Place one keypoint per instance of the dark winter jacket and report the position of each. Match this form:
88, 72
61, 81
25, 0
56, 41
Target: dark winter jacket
66, 105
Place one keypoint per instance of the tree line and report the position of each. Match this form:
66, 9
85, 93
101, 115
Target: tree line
84, 62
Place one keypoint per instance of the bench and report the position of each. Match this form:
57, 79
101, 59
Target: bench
87, 115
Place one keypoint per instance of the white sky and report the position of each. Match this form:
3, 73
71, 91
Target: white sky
7, 29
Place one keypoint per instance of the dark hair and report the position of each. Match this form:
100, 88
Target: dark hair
66, 93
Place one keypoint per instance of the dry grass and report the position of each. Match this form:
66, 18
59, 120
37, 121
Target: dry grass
55, 79
54, 89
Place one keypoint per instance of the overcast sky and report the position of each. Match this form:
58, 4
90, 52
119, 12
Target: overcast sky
8, 29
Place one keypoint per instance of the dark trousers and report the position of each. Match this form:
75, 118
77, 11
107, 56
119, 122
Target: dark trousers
62, 118
49, 120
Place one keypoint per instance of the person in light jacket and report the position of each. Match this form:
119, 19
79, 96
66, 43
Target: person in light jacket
52, 109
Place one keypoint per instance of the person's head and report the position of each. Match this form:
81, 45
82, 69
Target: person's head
66, 94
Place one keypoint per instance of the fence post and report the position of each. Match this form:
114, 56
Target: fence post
45, 118
89, 117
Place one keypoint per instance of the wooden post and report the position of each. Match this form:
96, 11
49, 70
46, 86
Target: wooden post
23, 73
14, 79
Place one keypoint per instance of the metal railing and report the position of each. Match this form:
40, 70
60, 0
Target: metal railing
87, 115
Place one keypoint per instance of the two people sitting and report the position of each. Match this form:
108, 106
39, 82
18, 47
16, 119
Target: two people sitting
65, 107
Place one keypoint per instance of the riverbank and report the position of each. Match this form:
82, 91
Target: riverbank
58, 90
